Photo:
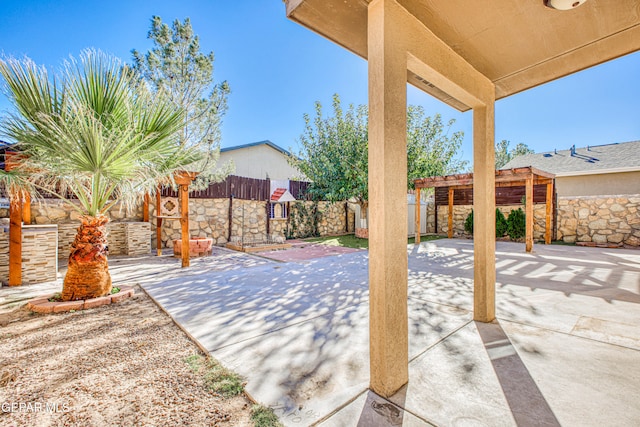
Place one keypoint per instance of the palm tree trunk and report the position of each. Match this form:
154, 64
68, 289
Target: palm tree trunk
88, 273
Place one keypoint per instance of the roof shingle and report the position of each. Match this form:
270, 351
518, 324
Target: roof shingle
590, 159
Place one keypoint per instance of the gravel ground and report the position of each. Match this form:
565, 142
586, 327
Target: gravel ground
117, 365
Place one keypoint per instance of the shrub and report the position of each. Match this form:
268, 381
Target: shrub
516, 224
501, 223
468, 223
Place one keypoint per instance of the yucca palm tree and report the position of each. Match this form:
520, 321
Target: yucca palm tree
92, 131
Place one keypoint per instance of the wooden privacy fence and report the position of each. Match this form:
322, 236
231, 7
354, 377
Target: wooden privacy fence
241, 187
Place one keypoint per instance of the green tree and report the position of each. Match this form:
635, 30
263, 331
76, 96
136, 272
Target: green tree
431, 150
333, 154
504, 154
176, 67
334, 151
92, 131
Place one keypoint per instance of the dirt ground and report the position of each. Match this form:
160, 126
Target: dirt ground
116, 365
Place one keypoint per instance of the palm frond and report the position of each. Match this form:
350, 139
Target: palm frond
93, 130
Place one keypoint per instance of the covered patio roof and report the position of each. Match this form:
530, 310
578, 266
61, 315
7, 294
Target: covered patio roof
515, 44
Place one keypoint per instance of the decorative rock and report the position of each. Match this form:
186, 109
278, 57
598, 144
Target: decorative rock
599, 224
599, 238
615, 238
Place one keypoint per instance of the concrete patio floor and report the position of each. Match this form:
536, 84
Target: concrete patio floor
565, 349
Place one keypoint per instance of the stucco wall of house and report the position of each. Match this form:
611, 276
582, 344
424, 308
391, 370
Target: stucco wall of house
599, 184
260, 161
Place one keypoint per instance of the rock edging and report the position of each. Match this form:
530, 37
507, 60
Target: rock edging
43, 305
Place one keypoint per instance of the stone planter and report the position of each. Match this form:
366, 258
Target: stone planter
198, 246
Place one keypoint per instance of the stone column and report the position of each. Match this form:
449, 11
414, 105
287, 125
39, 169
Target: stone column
389, 347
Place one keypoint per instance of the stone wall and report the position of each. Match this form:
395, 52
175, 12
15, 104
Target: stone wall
332, 218
4, 254
55, 211
123, 238
207, 218
431, 216
39, 250
600, 219
460, 213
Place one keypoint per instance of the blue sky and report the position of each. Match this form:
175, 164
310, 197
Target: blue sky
278, 69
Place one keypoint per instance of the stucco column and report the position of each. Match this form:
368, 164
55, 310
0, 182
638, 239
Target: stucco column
484, 214
388, 334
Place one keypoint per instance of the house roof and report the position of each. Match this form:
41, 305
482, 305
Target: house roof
617, 157
255, 144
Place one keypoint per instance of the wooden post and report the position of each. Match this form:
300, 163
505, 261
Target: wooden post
230, 217
288, 219
435, 211
26, 209
145, 208
158, 222
184, 179
417, 230
346, 216
268, 218
547, 219
184, 223
15, 241
450, 217
529, 214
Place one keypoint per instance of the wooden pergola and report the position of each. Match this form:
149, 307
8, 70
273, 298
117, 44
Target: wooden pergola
517, 177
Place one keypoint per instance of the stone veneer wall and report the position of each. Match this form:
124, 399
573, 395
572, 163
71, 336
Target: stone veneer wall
210, 218
333, 219
39, 249
460, 213
55, 211
123, 238
4, 254
207, 218
600, 219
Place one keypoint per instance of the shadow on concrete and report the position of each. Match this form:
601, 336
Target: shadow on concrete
378, 411
528, 405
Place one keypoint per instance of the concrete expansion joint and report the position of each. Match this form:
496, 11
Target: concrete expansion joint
445, 337
570, 334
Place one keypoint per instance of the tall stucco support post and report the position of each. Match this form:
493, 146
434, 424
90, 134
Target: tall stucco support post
484, 214
388, 333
